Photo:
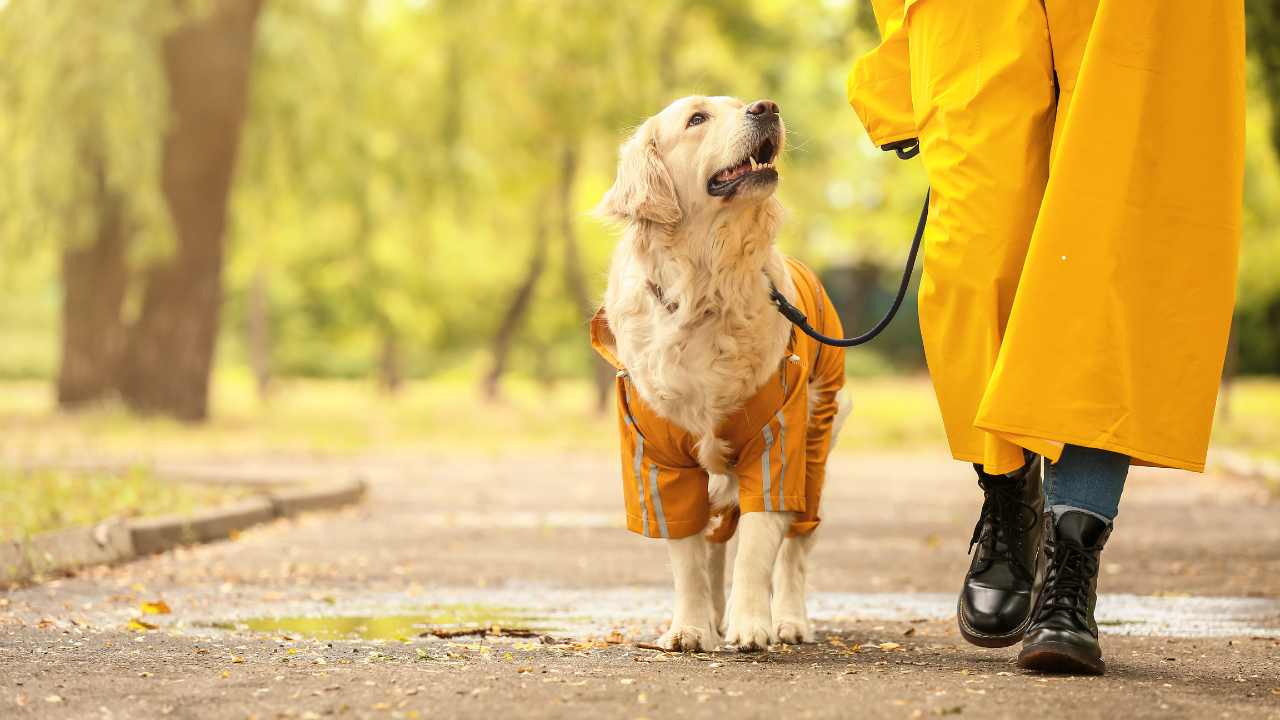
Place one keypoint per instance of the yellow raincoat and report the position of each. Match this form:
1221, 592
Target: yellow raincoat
779, 445
1086, 159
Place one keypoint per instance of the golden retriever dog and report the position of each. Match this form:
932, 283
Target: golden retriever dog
696, 339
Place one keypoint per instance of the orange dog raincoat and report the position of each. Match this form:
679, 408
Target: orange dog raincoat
778, 447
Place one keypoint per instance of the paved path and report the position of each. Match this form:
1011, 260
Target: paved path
319, 617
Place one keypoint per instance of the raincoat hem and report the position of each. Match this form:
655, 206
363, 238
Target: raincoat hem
980, 458
1140, 457
802, 528
755, 503
880, 142
676, 529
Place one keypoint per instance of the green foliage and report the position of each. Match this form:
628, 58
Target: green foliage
1262, 24
400, 155
1258, 304
402, 199
43, 500
82, 104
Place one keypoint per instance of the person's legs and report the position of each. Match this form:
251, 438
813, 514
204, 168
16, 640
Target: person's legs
1082, 498
983, 94
1086, 479
995, 603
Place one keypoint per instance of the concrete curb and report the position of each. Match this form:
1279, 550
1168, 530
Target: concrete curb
157, 534
115, 541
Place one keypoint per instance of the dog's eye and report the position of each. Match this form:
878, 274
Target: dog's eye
696, 119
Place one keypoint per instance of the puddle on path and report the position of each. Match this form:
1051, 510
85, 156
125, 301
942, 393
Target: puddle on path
400, 625
582, 613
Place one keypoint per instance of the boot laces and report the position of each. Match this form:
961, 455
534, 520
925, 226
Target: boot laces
1071, 569
1002, 526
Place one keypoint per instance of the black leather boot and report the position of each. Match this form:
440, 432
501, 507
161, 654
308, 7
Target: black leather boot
996, 600
1063, 637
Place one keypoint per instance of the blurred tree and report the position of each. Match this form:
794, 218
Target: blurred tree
344, 177
1262, 22
127, 196
413, 190
171, 345
1256, 331
81, 128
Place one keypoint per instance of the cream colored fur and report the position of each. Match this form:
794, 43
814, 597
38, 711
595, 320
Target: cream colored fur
698, 351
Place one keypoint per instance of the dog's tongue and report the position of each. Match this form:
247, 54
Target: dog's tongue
733, 173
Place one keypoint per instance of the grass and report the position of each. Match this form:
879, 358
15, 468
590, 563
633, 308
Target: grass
342, 418
336, 418
42, 500
1250, 420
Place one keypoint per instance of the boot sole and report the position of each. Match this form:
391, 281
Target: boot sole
1060, 658
973, 637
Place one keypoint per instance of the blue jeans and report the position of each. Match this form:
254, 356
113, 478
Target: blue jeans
1086, 479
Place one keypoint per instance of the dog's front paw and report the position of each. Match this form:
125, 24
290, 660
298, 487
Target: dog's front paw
750, 633
794, 632
688, 638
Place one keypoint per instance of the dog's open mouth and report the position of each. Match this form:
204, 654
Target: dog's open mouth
756, 166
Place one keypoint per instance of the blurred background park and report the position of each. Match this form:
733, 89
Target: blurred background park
318, 228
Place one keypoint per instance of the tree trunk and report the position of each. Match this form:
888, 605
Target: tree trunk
259, 322
94, 280
390, 372
518, 308
171, 346
576, 280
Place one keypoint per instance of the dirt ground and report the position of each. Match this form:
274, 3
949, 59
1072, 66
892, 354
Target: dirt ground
1191, 577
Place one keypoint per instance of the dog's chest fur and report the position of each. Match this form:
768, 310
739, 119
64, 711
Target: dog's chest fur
699, 351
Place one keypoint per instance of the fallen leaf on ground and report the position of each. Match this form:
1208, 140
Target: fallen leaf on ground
53, 698
137, 625
155, 607
888, 646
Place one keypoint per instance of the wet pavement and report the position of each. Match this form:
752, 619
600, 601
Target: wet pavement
334, 615
570, 613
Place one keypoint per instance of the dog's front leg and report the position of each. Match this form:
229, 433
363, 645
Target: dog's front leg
692, 626
750, 622
790, 616
716, 573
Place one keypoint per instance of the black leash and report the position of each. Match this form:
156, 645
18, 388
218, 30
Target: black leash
906, 150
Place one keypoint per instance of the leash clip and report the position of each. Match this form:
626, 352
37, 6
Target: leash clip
905, 149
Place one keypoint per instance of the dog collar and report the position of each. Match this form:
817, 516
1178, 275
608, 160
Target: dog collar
671, 307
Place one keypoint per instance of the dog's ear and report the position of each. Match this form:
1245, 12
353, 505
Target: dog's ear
643, 189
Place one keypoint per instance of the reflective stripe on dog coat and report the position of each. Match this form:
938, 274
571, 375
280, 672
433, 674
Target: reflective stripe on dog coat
778, 448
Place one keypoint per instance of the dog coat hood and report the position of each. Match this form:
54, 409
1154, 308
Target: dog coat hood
778, 448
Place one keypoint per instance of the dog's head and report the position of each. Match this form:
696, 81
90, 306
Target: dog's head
698, 156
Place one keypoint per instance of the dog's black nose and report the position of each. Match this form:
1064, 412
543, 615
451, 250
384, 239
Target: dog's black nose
763, 107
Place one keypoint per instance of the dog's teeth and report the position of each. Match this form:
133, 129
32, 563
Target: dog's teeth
754, 165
